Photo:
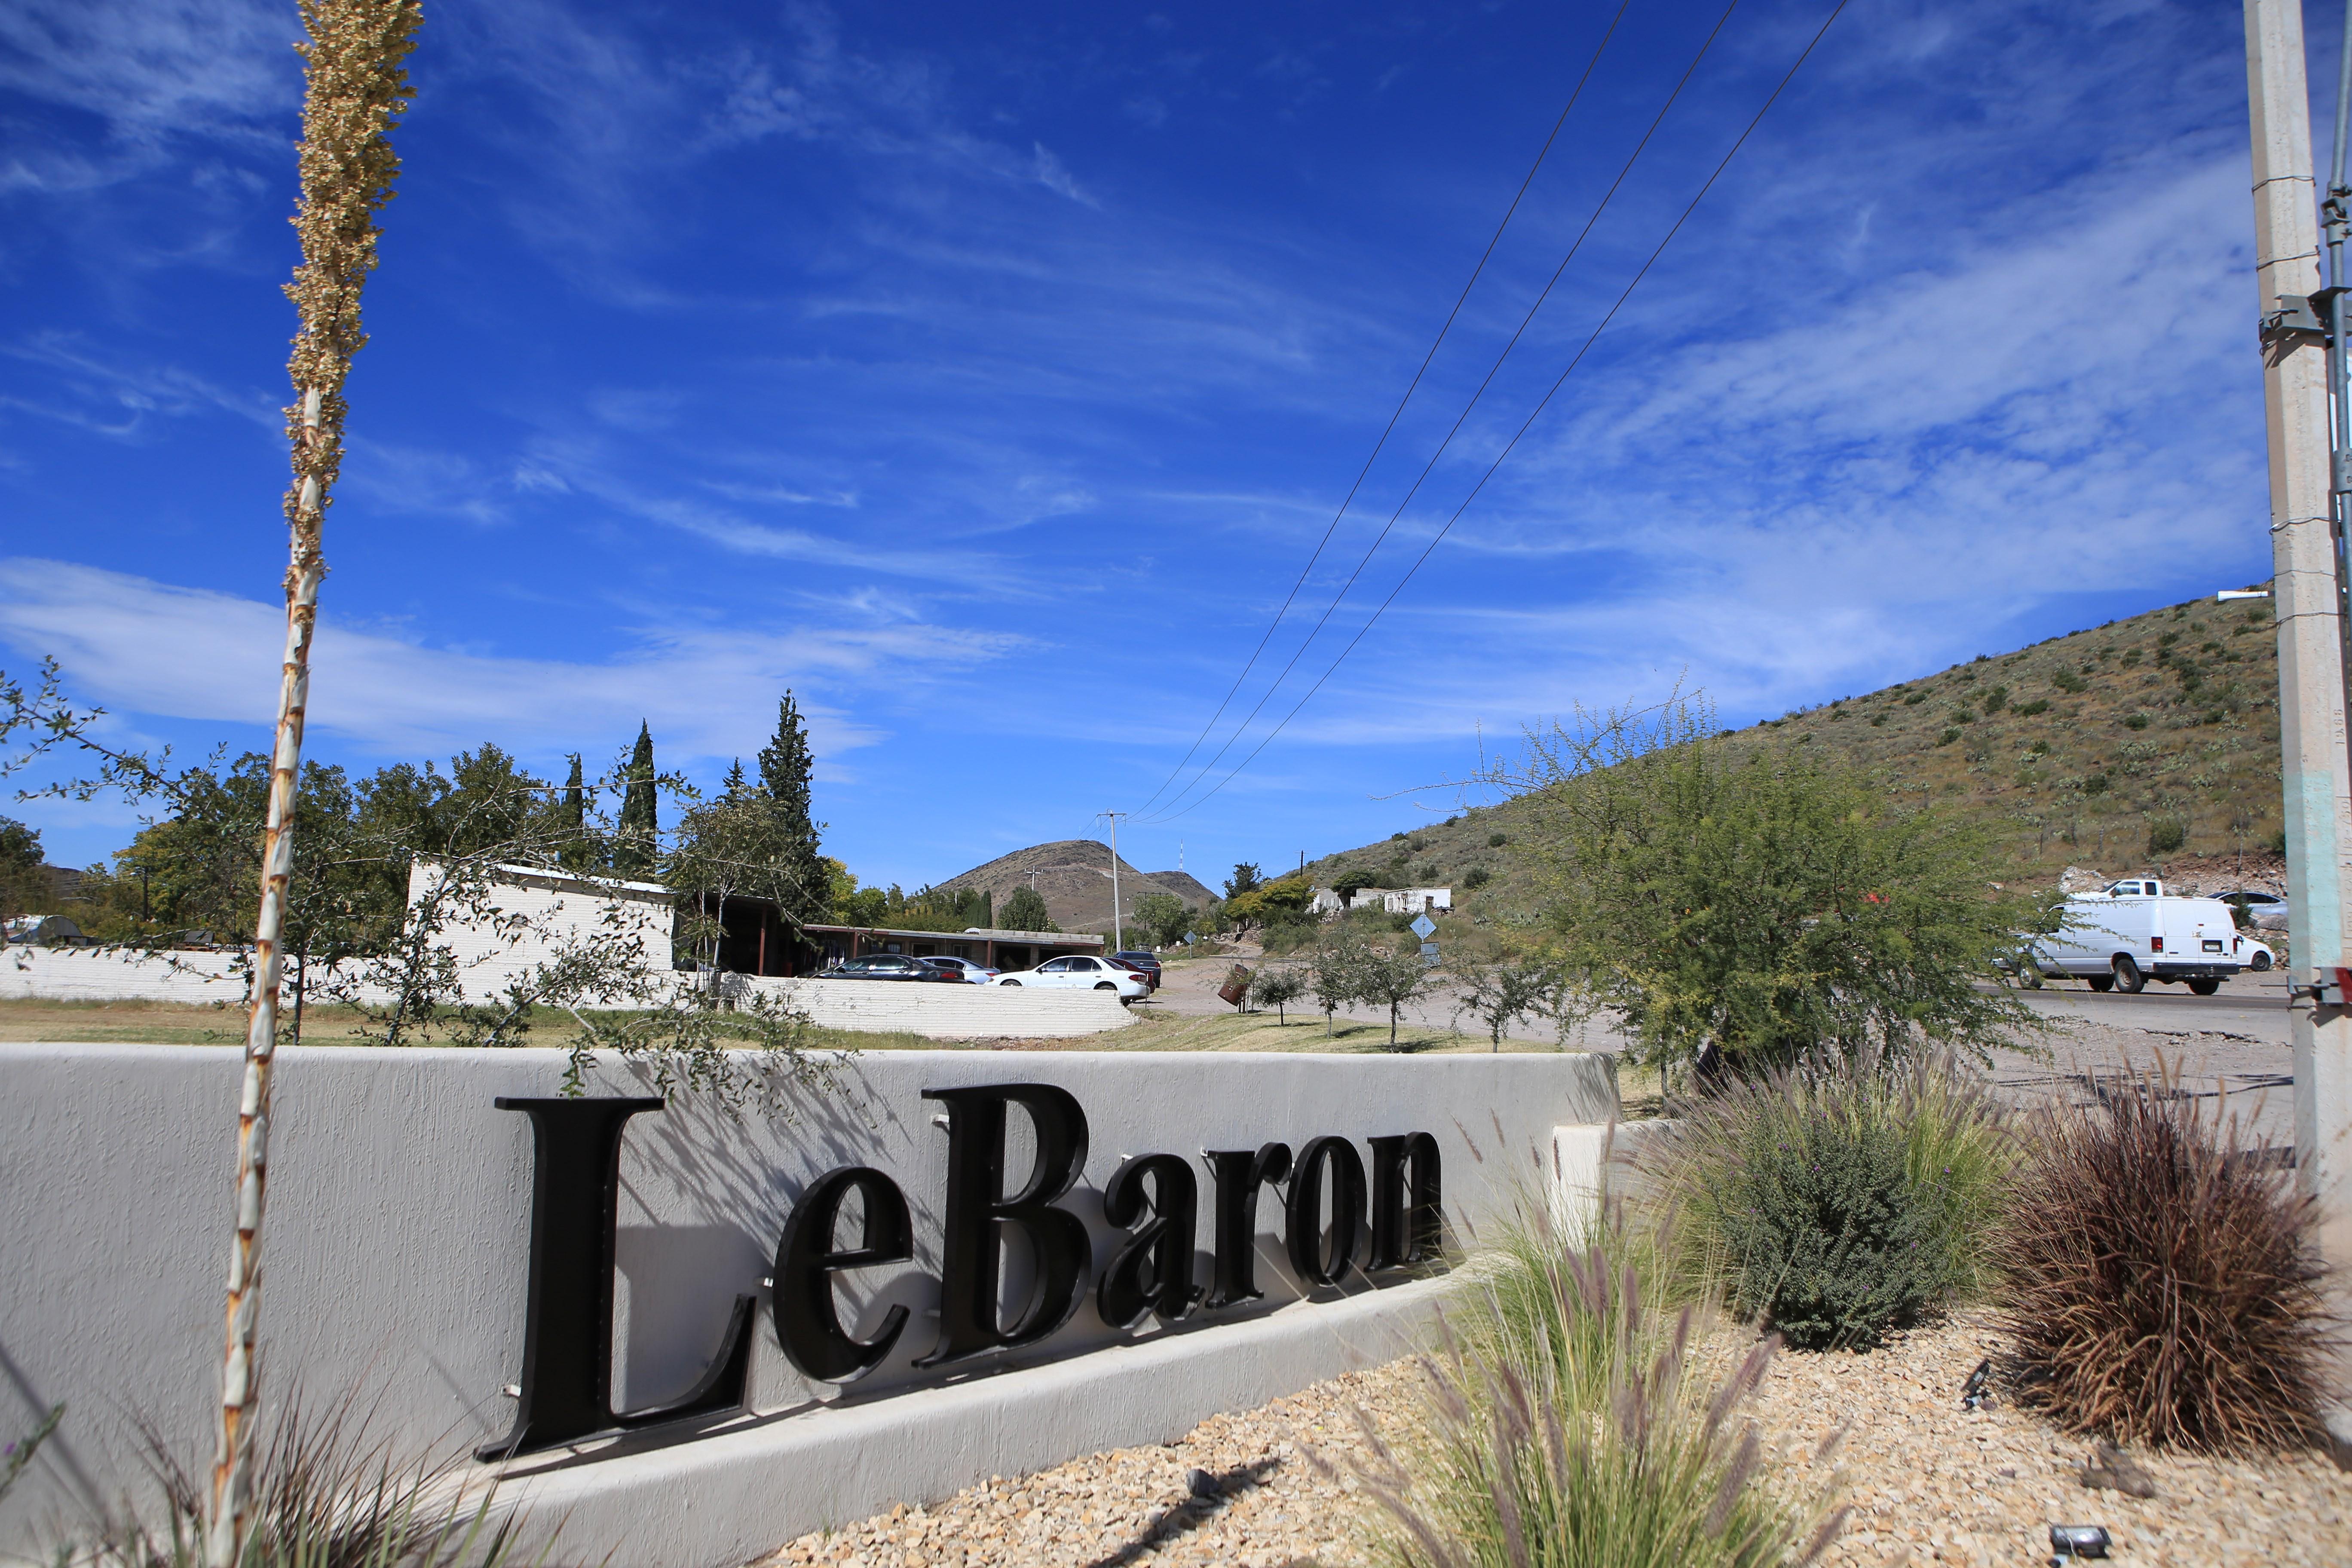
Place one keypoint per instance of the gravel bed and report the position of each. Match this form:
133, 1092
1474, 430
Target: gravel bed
1270, 1507
1928, 1483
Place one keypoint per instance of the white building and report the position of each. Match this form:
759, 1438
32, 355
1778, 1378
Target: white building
1396, 900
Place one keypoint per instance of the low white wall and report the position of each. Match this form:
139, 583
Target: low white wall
398, 1230
949, 1012
938, 1012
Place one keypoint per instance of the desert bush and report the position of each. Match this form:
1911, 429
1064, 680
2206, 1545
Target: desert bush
1760, 903
1564, 1428
2161, 1284
1834, 1201
2164, 834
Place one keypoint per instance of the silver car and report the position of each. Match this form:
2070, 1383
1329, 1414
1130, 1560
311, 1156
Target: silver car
2269, 911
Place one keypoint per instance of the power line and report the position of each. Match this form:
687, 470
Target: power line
1627, 293
1427, 469
1397, 412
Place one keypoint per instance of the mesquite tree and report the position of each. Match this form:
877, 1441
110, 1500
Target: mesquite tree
354, 92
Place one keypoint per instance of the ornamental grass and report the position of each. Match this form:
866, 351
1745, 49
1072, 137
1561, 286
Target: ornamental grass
1566, 1429
325, 1494
2161, 1282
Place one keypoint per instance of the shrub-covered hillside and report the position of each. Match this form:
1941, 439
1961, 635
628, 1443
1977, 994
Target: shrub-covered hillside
2134, 743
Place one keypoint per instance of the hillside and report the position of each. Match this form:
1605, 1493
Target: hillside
2092, 749
1073, 876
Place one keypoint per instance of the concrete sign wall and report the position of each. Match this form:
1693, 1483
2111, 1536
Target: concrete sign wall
401, 1236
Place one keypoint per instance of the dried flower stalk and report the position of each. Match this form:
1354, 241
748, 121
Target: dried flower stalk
354, 92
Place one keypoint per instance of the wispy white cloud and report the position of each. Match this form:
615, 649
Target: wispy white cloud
172, 652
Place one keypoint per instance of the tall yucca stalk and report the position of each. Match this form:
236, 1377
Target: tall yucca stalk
354, 91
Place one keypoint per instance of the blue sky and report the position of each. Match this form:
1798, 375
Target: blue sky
988, 375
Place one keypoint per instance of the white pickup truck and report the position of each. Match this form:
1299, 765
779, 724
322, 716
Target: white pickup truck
2135, 932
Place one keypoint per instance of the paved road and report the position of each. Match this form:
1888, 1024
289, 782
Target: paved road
2252, 1005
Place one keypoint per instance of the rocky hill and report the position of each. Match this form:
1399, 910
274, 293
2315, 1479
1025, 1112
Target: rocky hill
1073, 876
2143, 743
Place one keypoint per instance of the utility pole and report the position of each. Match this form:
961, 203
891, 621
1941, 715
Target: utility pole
2308, 601
1117, 931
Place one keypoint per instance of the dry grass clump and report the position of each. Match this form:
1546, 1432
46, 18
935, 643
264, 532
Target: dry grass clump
326, 1494
2162, 1289
1565, 1430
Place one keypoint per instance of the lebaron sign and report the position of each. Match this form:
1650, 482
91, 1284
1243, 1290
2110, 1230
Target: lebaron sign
1339, 1216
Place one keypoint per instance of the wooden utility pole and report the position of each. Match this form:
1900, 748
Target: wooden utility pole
2316, 771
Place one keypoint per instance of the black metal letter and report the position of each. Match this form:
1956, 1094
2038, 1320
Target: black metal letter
567, 1346
1315, 1262
807, 1325
971, 1251
1239, 1172
1402, 1236
1153, 1270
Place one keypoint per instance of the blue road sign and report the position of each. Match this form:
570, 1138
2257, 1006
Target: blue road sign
1422, 925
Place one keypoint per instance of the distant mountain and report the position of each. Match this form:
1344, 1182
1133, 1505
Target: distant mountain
1073, 876
1185, 886
2089, 749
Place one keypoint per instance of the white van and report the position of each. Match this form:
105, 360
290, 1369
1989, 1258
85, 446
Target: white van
2135, 932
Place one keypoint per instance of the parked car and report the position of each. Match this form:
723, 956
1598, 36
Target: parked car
1079, 971
2268, 912
1144, 963
964, 969
887, 966
2135, 932
2259, 955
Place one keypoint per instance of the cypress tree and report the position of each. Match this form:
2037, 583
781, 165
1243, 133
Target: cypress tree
571, 822
633, 848
784, 764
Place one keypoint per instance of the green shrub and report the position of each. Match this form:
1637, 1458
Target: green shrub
1477, 877
2136, 722
1835, 1203
2029, 710
2067, 680
2166, 834
1496, 840
2159, 1279
1564, 1430
1949, 736
1914, 699
1996, 699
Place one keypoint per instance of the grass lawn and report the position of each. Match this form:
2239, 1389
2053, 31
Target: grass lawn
200, 1023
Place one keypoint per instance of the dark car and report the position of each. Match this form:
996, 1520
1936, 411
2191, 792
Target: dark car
1143, 963
887, 966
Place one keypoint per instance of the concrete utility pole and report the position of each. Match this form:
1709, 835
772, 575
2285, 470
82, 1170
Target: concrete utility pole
2316, 770
1117, 931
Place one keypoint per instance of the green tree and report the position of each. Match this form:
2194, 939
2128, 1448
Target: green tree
1162, 918
1024, 909
784, 769
1391, 977
1751, 907
1500, 994
574, 850
1276, 988
22, 883
1245, 876
635, 846
1335, 973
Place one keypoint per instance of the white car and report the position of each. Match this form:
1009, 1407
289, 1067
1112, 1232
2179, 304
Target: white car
2259, 955
1079, 973
978, 974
